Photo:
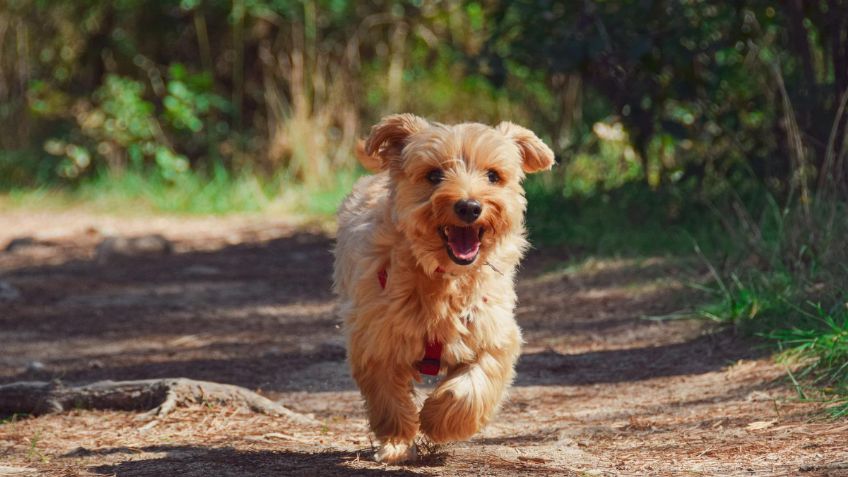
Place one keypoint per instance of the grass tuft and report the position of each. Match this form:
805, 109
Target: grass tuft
812, 338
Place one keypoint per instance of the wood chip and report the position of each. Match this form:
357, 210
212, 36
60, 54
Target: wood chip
537, 460
760, 425
5, 470
279, 435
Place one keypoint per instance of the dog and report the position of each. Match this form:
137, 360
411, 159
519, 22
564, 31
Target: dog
425, 261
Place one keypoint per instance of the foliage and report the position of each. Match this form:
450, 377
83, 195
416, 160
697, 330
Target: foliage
120, 125
702, 87
628, 220
699, 87
265, 84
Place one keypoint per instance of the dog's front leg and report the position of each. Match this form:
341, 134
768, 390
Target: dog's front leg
468, 396
392, 414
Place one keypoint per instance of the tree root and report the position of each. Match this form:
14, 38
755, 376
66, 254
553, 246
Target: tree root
157, 397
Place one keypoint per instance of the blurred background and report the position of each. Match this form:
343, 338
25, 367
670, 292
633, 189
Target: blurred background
692, 127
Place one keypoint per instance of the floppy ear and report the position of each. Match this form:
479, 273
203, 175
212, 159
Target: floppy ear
369, 162
535, 154
390, 135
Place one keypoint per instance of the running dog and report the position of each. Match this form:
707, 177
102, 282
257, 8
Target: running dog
425, 265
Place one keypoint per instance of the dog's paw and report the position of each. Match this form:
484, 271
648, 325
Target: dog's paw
396, 453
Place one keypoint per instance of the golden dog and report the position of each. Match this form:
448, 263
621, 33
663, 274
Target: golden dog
424, 265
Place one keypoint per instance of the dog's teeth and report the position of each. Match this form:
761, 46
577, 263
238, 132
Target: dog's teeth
446, 231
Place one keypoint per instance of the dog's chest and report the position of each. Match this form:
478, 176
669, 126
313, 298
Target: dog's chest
466, 337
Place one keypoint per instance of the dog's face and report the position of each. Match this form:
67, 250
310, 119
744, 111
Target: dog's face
456, 190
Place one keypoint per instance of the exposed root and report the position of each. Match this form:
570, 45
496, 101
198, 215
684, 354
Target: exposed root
156, 396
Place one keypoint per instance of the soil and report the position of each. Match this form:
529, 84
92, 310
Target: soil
602, 388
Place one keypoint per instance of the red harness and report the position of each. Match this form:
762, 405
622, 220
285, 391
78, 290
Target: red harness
432, 361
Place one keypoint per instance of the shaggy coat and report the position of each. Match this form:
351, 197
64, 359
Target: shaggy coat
445, 280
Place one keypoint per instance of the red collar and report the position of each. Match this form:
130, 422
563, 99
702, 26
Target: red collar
432, 360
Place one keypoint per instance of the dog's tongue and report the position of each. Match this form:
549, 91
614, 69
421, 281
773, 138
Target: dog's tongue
464, 242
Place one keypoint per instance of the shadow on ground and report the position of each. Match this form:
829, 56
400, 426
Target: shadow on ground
260, 315
189, 461
702, 354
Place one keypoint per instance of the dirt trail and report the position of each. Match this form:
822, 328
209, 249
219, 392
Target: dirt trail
600, 389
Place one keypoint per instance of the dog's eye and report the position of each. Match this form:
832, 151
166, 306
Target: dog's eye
493, 176
435, 176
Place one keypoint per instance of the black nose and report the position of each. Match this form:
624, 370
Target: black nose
468, 210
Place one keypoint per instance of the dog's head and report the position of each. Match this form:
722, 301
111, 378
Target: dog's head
456, 190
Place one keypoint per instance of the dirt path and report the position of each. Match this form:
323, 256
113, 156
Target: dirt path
600, 390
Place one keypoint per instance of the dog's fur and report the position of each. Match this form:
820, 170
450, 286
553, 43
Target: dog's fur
394, 222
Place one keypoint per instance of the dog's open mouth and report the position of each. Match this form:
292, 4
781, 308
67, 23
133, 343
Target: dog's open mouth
462, 243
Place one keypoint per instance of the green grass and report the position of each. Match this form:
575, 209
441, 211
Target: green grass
803, 318
213, 192
33, 453
823, 343
14, 418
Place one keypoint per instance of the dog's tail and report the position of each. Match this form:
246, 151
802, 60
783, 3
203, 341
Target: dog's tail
371, 163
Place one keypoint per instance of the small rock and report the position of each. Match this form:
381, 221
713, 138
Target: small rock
95, 364
35, 367
307, 347
755, 396
8, 292
123, 247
